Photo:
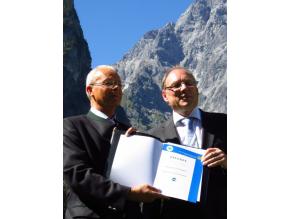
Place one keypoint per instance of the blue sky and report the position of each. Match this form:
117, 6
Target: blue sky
112, 27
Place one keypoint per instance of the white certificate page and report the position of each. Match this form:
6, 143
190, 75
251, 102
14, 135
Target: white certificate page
179, 172
136, 160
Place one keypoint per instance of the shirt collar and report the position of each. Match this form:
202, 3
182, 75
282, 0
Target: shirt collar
99, 113
195, 114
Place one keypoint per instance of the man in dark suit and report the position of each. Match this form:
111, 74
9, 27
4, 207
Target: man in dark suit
207, 131
86, 149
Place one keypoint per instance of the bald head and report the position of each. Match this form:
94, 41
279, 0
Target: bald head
101, 69
97, 73
104, 89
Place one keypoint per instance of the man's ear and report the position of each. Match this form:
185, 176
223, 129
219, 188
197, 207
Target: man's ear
163, 93
89, 90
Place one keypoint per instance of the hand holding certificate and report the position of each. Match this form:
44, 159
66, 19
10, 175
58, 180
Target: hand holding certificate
174, 169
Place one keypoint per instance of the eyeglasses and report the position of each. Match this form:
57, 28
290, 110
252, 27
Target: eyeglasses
177, 86
109, 84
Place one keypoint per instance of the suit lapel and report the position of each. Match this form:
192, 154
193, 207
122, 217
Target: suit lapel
103, 126
208, 138
170, 132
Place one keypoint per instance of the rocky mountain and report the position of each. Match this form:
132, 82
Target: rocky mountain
76, 63
197, 41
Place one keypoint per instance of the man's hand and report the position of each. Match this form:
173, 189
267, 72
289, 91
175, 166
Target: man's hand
215, 157
130, 131
144, 193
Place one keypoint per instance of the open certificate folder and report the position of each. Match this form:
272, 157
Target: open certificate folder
175, 169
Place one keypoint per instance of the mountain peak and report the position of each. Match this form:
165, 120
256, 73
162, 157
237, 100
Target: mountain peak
197, 41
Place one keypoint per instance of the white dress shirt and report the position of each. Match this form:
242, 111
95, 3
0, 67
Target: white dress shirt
197, 127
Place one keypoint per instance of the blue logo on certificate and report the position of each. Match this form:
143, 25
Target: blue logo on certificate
169, 148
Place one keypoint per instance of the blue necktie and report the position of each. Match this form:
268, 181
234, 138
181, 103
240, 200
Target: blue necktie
189, 131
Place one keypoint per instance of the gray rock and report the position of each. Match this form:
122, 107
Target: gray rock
197, 41
76, 63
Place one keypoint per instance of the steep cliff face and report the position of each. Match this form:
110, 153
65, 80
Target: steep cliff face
203, 32
76, 63
197, 41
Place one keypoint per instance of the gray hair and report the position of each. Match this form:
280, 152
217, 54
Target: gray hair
94, 73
